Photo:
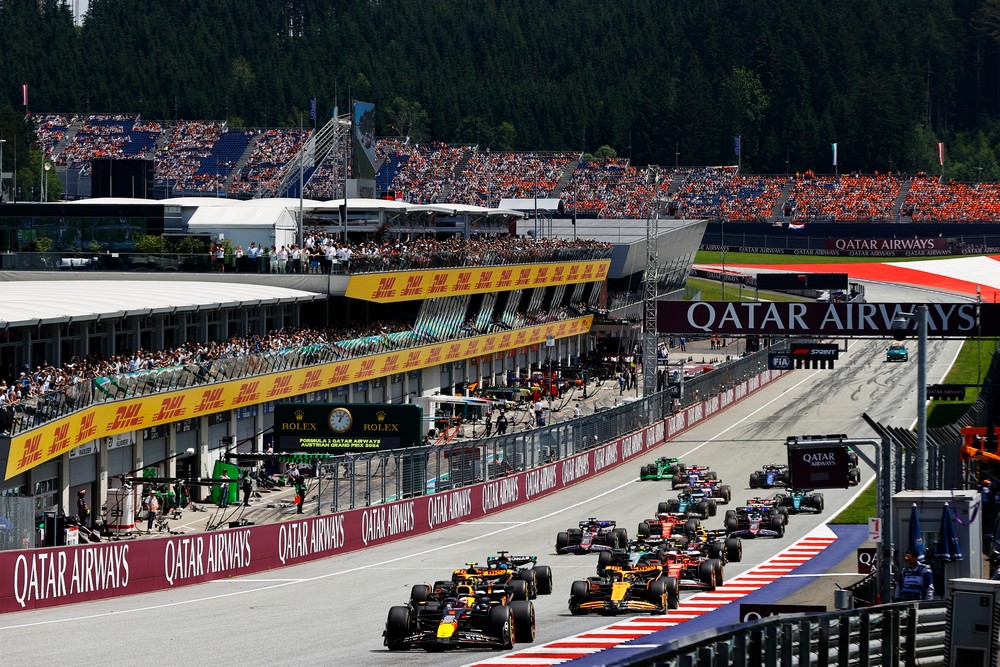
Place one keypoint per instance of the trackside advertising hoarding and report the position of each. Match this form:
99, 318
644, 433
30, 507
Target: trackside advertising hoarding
36, 578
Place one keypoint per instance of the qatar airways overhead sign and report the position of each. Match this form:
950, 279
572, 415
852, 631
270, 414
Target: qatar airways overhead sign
873, 320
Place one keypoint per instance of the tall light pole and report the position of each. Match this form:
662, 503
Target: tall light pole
2, 142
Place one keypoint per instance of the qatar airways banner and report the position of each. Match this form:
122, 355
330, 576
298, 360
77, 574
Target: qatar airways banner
837, 320
38, 578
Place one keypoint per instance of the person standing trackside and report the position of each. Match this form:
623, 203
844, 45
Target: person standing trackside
224, 491
300, 493
152, 505
915, 581
247, 485
82, 508
502, 423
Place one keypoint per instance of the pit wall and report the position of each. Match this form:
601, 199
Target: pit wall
37, 578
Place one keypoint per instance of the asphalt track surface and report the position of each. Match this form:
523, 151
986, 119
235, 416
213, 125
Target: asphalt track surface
333, 611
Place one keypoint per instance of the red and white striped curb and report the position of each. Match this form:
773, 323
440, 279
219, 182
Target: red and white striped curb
600, 639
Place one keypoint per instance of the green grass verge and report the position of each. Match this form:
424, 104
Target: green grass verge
860, 510
711, 290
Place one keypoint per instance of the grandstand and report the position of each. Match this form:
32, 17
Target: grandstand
208, 158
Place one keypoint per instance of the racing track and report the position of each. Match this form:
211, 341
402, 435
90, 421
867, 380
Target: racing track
333, 610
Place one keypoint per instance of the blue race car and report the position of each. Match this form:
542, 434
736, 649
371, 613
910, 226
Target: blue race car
754, 521
769, 476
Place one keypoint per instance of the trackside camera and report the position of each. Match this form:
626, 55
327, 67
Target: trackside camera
899, 327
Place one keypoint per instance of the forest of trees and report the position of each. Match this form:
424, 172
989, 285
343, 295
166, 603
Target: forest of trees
660, 82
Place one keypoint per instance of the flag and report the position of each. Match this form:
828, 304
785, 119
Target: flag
737, 141
24, 94
941, 153
312, 109
916, 535
835, 155
797, 226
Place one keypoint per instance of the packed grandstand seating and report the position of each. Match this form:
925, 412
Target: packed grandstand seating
199, 157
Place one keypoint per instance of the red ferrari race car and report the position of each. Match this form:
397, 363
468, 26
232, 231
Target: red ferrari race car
667, 524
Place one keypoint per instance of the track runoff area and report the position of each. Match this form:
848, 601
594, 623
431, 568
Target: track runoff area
822, 547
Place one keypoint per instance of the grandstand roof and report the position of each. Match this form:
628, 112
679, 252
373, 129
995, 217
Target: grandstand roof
33, 302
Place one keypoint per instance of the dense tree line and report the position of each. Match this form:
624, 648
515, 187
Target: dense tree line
660, 82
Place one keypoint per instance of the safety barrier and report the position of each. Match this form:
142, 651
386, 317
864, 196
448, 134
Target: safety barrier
893, 635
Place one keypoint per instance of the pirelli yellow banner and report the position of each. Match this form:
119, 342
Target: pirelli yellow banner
57, 437
409, 285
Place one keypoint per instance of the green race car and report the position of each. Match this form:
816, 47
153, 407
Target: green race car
662, 468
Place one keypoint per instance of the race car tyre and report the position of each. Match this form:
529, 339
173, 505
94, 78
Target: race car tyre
543, 577
643, 530
718, 571
781, 479
734, 549
691, 525
852, 458
574, 532
419, 593
529, 577
711, 475
818, 501
732, 523
562, 541
853, 476
524, 621
662, 507
778, 525
519, 589
673, 469
604, 559
657, 592
500, 624
579, 592
713, 507
726, 492
673, 592
619, 538
730, 514
716, 550
783, 513
703, 509
397, 628
754, 480
779, 499
706, 573
644, 472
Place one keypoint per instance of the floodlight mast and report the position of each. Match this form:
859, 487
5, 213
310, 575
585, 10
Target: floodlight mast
649, 293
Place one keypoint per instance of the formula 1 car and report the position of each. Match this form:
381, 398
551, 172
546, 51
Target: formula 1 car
592, 535
662, 468
800, 500
638, 553
621, 590
693, 474
755, 521
695, 503
771, 502
769, 476
666, 525
539, 577
693, 570
502, 585
714, 489
457, 619
715, 544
